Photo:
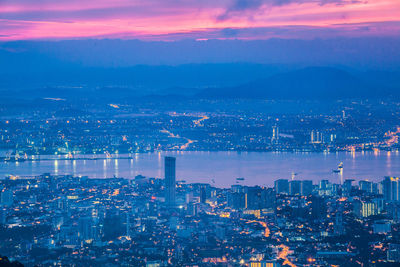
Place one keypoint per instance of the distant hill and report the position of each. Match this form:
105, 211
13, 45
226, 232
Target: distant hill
165, 83
307, 83
145, 79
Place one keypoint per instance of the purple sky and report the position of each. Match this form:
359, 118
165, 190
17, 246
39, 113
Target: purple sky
197, 19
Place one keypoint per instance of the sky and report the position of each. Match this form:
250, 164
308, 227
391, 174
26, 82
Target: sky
171, 20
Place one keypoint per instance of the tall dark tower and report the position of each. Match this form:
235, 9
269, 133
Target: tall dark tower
170, 181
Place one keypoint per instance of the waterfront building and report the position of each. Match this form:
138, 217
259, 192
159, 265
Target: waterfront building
316, 137
275, 134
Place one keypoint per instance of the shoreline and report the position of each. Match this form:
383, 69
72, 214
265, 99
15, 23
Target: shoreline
91, 156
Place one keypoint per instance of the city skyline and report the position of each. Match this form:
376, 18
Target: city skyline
240, 225
199, 133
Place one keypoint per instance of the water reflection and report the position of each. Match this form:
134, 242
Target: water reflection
389, 163
116, 173
104, 168
74, 167
56, 167
223, 167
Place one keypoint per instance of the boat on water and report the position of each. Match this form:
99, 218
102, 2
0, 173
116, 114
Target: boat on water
240, 179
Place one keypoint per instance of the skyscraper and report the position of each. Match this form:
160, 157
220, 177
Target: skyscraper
347, 187
365, 186
282, 186
391, 188
203, 194
6, 197
85, 228
318, 208
2, 216
295, 187
364, 208
316, 137
306, 187
170, 181
275, 134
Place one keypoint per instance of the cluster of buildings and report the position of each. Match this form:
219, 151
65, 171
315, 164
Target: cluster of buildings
60, 219
123, 129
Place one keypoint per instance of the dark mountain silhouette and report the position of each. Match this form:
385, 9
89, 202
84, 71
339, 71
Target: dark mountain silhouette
209, 81
307, 83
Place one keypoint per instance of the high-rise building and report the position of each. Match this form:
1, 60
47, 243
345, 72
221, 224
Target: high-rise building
347, 186
306, 187
192, 209
391, 189
364, 208
393, 253
316, 137
324, 184
203, 194
238, 188
380, 204
338, 227
85, 228
318, 208
269, 198
282, 186
275, 134
237, 199
2, 216
303, 188
365, 186
295, 187
6, 197
252, 198
170, 183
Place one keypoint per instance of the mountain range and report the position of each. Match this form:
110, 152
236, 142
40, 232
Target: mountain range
202, 81
306, 83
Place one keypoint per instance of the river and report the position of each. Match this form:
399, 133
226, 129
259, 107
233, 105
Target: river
221, 168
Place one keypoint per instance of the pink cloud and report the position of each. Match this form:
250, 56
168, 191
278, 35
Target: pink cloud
158, 19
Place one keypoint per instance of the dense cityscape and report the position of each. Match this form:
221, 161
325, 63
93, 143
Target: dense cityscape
56, 220
199, 133
200, 125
